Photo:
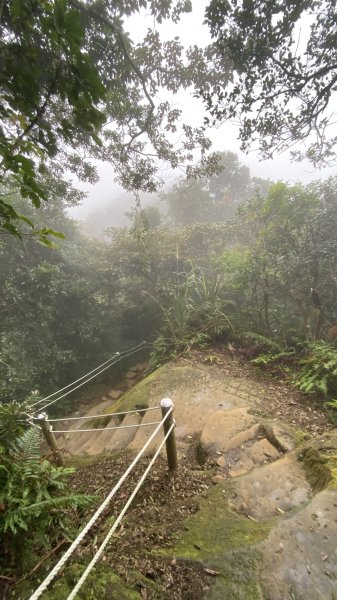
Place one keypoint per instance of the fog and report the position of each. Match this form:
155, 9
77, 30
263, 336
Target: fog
111, 201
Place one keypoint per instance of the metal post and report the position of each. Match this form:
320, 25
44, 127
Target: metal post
171, 448
50, 438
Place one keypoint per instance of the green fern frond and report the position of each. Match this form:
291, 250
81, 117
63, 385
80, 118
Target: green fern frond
260, 339
26, 448
59, 502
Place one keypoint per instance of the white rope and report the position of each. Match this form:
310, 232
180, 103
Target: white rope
118, 356
41, 409
125, 412
94, 518
105, 428
117, 522
73, 382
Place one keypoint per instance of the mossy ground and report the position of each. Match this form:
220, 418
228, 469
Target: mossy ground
102, 583
319, 459
177, 535
139, 396
225, 542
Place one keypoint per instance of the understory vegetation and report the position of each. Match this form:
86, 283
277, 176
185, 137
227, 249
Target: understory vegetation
37, 511
258, 275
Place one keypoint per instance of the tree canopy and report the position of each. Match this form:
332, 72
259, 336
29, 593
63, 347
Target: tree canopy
74, 87
215, 198
284, 61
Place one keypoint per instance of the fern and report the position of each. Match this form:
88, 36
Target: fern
26, 448
267, 343
36, 505
318, 372
13, 422
267, 359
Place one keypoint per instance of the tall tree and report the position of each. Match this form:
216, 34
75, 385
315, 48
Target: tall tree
75, 87
214, 198
284, 60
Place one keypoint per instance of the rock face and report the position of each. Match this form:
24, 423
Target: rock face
269, 525
300, 553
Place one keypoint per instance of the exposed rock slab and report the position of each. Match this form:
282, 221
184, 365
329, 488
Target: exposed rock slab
262, 451
300, 553
222, 426
73, 442
277, 486
115, 394
244, 436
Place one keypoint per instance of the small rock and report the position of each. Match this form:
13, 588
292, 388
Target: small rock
115, 394
218, 479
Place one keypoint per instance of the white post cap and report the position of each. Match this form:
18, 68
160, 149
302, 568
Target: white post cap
166, 403
42, 416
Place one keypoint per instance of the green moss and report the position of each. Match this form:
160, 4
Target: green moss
156, 385
98, 423
319, 459
239, 579
102, 584
139, 395
225, 542
216, 529
301, 436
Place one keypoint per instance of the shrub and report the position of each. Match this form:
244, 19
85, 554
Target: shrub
34, 505
318, 370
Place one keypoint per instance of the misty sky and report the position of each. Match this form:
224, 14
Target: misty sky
192, 31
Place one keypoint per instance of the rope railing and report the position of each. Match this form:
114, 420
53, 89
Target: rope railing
106, 540
117, 358
105, 428
117, 414
167, 421
114, 356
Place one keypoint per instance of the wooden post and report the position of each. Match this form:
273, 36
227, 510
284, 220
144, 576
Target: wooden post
119, 366
171, 448
50, 438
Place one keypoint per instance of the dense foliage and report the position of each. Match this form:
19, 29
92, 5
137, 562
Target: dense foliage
213, 199
74, 87
283, 56
35, 507
281, 268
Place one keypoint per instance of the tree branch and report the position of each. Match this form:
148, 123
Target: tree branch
40, 111
119, 34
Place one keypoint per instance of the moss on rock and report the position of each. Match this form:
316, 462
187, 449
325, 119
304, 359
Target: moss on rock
216, 529
319, 459
224, 541
139, 396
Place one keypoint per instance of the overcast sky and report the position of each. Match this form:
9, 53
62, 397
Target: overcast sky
192, 31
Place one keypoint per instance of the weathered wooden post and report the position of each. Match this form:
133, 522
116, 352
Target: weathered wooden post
50, 438
171, 447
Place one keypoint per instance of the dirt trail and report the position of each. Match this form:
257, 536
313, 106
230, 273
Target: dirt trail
291, 549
